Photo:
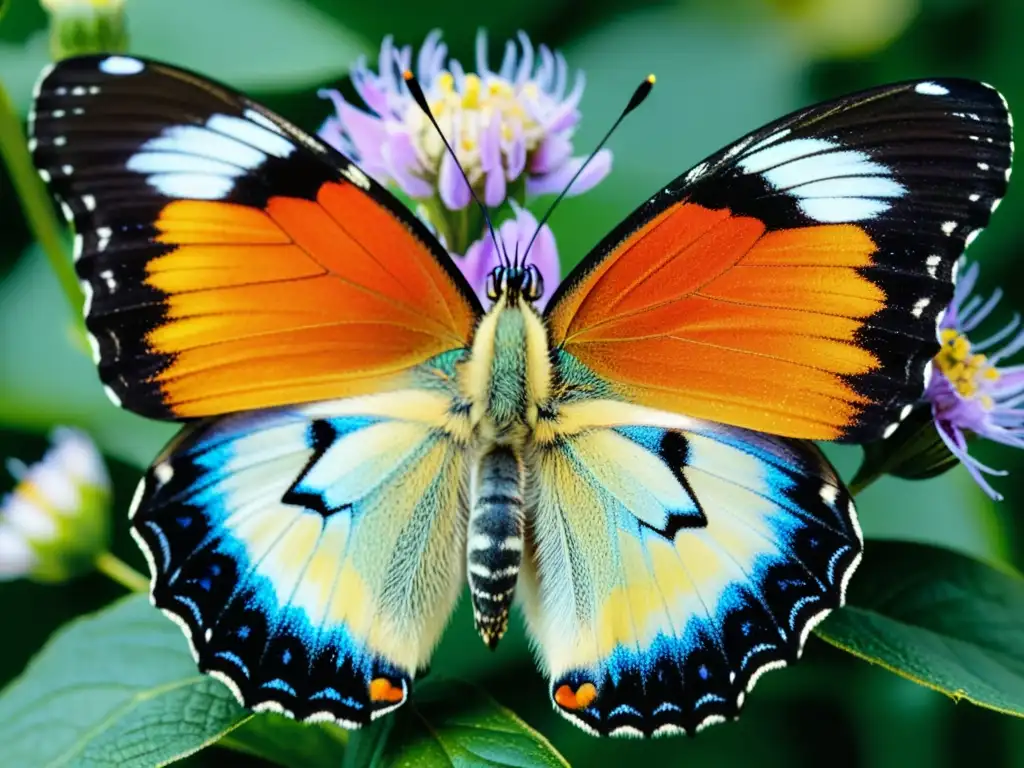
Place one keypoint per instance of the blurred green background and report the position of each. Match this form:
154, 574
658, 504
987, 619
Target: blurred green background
724, 67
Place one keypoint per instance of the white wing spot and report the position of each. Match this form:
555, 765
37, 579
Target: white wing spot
263, 120
831, 184
983, 166
59, 141
889, 430
696, 172
112, 396
140, 489
919, 307
67, 170
356, 176
163, 472
829, 493
931, 89
121, 65
948, 227
103, 235
927, 374
78, 90
932, 263
89, 201
253, 134
974, 197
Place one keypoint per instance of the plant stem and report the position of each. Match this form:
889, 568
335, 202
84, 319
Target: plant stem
859, 484
35, 200
118, 570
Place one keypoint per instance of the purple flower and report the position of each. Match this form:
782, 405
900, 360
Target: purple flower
514, 235
970, 394
503, 125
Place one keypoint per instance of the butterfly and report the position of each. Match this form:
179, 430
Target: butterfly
633, 465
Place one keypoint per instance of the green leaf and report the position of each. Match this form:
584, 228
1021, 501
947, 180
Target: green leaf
915, 451
253, 45
453, 723
115, 688
939, 618
288, 743
259, 45
119, 688
688, 116
410, 20
47, 378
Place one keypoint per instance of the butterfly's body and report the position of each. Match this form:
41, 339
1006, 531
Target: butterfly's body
632, 464
506, 381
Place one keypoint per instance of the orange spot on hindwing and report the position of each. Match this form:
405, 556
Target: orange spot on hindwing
582, 698
383, 691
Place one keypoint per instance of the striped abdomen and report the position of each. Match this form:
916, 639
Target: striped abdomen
494, 546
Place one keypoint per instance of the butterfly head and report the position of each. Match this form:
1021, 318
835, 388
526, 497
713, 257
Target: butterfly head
513, 282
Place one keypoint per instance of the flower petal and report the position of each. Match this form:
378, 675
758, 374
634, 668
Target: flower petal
515, 155
332, 134
480, 259
451, 187
552, 152
16, 556
544, 256
399, 160
490, 145
366, 132
555, 182
495, 188
29, 519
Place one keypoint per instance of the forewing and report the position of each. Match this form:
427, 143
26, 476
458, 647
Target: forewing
312, 555
672, 562
792, 282
230, 261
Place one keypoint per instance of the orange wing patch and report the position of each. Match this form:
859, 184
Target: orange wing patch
301, 301
706, 313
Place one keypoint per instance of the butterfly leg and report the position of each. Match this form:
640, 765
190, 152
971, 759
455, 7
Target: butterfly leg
494, 546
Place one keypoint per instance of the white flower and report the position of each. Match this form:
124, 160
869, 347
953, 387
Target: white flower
55, 521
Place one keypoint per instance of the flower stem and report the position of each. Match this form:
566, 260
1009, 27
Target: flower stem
860, 483
35, 201
118, 570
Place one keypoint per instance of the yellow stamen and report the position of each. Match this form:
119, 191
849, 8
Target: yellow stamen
446, 82
965, 370
471, 92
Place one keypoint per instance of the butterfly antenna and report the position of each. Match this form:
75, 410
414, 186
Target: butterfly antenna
421, 101
635, 101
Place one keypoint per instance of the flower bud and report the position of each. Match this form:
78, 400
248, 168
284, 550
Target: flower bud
56, 520
86, 26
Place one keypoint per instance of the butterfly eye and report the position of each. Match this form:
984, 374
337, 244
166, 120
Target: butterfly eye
496, 283
533, 283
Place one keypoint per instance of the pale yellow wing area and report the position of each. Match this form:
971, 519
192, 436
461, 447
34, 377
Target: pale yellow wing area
672, 561
312, 555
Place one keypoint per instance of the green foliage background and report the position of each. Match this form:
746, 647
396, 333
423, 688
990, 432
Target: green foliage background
724, 67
